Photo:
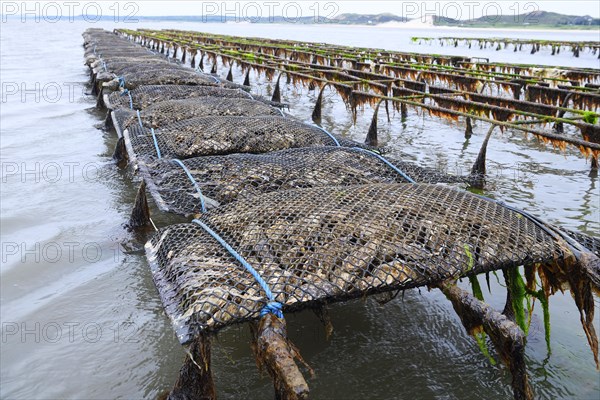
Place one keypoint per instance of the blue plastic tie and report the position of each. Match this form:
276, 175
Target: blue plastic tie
155, 143
273, 306
121, 82
139, 119
330, 135
127, 92
389, 164
189, 174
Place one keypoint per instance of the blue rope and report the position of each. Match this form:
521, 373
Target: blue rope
273, 306
127, 92
389, 164
121, 82
155, 143
189, 174
330, 135
139, 118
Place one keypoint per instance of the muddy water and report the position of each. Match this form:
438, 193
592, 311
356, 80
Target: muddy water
81, 317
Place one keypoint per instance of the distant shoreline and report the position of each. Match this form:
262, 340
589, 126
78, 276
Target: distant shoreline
412, 24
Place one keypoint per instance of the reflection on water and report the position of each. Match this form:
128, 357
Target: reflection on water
81, 317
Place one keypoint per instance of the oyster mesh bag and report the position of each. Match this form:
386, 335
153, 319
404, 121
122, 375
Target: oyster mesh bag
334, 243
225, 135
106, 54
129, 64
205, 182
145, 96
174, 75
170, 111
592, 243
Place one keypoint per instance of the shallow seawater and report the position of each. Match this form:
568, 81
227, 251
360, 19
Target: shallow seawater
81, 317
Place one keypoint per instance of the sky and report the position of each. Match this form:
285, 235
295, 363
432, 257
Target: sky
408, 9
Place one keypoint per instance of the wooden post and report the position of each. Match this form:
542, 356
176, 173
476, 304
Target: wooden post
469, 128
195, 376
276, 98
507, 337
323, 315
558, 126
403, 111
120, 155
371, 139
478, 169
140, 215
247, 78
276, 354
316, 114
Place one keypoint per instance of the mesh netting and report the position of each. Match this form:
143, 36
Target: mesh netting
334, 243
166, 76
589, 242
107, 52
145, 96
224, 135
95, 61
223, 179
106, 44
170, 111
219, 180
134, 65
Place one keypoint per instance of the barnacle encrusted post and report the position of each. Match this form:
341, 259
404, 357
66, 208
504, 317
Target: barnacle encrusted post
120, 155
276, 98
140, 215
371, 139
478, 169
247, 78
276, 354
195, 376
507, 337
469, 128
316, 114
403, 111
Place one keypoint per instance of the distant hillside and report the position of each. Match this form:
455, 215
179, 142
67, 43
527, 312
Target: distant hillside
537, 18
541, 19
366, 19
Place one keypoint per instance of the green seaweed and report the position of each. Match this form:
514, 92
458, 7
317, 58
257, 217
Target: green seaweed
470, 256
476, 287
541, 296
480, 338
590, 117
518, 292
